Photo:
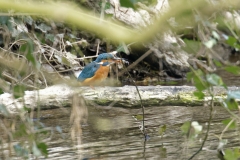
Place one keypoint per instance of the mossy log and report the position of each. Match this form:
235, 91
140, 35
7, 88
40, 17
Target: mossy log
127, 96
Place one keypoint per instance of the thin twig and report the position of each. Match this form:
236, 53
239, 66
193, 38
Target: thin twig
45, 81
226, 128
53, 67
208, 127
5, 74
27, 76
98, 43
143, 110
136, 62
19, 55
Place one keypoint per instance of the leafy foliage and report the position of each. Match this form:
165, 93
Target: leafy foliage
232, 154
215, 80
128, 3
133, 3
40, 38
233, 42
18, 91
191, 46
233, 69
162, 130
233, 125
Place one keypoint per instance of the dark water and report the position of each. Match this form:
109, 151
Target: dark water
112, 133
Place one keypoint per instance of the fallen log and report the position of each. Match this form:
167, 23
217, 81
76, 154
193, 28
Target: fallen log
127, 96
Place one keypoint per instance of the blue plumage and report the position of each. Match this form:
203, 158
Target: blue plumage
104, 56
88, 71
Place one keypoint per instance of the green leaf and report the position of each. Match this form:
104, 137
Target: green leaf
232, 104
18, 91
50, 37
107, 6
3, 110
128, 3
43, 148
233, 69
162, 129
233, 125
232, 154
237, 47
23, 48
29, 50
191, 46
138, 117
186, 127
30, 55
199, 84
189, 76
27, 109
217, 63
214, 79
1, 91
199, 80
231, 41
21, 132
199, 94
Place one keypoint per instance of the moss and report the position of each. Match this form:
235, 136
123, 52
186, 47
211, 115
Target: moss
180, 99
183, 99
102, 101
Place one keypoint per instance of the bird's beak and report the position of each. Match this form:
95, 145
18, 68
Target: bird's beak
117, 59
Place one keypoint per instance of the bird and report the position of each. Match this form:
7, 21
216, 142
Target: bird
97, 71
104, 57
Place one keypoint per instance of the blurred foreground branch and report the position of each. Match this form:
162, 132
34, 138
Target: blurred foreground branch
86, 20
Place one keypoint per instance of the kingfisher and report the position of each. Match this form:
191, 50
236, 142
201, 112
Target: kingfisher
97, 71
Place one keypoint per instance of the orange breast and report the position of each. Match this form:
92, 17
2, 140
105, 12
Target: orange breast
100, 75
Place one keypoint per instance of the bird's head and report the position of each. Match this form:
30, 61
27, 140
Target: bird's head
107, 57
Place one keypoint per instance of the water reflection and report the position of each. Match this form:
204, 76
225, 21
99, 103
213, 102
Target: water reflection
112, 133
120, 137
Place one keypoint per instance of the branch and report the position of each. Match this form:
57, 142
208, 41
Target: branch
127, 96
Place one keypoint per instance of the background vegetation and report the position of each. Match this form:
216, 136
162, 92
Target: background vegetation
37, 36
